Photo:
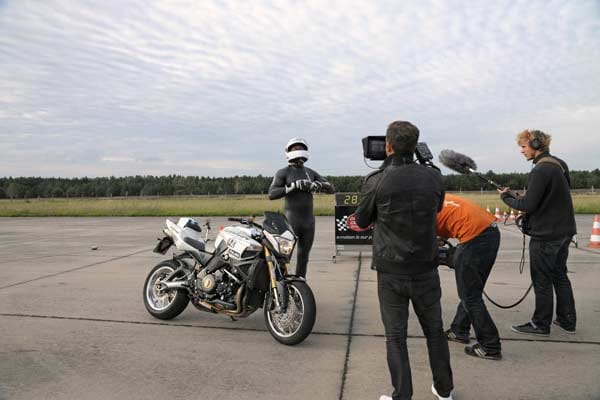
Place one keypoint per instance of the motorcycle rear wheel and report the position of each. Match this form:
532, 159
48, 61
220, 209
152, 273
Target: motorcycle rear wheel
295, 324
163, 304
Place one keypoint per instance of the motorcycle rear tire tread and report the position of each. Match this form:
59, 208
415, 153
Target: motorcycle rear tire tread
179, 303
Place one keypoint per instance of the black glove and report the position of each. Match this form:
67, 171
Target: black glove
291, 187
303, 185
316, 186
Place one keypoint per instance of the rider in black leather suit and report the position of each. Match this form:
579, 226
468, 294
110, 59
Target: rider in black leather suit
297, 183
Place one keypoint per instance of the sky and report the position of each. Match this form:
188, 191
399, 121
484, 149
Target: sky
216, 88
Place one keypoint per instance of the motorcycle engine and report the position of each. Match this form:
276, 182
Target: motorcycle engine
217, 285
226, 289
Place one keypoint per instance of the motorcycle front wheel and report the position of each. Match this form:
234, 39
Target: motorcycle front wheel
292, 325
163, 303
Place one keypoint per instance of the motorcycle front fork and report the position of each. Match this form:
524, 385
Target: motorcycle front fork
276, 274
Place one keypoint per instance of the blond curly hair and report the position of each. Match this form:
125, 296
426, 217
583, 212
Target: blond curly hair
527, 136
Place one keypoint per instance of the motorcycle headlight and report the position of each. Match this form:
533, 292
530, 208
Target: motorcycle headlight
286, 246
283, 244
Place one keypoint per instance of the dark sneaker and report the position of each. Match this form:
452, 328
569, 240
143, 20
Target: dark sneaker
455, 338
530, 329
568, 329
477, 351
438, 396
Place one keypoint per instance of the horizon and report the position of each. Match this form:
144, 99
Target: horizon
252, 176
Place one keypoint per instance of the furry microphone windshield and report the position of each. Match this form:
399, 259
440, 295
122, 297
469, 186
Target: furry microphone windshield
464, 165
457, 162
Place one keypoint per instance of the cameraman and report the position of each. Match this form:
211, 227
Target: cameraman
550, 222
402, 199
479, 240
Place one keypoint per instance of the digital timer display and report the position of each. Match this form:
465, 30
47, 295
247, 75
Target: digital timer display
347, 199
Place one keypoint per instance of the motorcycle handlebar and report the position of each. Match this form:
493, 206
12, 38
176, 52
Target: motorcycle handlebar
245, 221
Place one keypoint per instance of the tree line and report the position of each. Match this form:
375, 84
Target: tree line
176, 185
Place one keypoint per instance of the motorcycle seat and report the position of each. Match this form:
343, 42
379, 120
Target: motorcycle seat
196, 244
201, 254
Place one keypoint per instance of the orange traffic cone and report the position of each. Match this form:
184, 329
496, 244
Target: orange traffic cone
497, 214
512, 215
220, 227
505, 216
595, 237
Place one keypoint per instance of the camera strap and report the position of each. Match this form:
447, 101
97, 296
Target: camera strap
551, 160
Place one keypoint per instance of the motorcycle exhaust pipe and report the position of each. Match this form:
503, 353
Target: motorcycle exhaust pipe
238, 312
174, 285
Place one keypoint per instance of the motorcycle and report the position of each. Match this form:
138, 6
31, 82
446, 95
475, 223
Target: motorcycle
247, 270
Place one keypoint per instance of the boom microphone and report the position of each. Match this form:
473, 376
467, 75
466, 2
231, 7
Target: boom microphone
457, 162
464, 165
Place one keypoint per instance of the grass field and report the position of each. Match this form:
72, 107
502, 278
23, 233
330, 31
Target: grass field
213, 205
149, 206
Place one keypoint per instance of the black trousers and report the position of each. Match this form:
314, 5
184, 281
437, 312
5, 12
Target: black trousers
548, 262
424, 291
304, 228
473, 262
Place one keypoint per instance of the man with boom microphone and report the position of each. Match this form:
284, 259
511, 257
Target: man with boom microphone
402, 199
549, 220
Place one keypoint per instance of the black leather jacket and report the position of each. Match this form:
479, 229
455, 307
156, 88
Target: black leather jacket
402, 199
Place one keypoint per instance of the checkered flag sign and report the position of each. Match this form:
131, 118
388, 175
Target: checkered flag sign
348, 223
341, 223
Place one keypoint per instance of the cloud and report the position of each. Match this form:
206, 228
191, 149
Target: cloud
100, 84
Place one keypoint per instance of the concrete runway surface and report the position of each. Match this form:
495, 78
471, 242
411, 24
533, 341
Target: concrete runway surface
73, 326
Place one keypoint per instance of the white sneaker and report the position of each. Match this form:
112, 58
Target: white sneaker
438, 396
384, 397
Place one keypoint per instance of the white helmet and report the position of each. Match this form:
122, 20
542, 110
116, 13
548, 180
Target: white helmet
296, 154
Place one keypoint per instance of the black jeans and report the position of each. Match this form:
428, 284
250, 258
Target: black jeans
548, 261
424, 292
473, 263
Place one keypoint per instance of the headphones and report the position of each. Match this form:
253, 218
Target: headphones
536, 142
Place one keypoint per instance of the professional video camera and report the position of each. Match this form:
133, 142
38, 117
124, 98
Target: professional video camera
374, 149
446, 254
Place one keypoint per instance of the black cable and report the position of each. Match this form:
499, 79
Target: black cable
521, 267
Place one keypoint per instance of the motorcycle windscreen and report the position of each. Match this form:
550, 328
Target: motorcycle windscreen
276, 223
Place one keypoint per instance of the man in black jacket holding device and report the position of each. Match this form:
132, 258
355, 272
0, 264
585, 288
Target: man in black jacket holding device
550, 222
402, 199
